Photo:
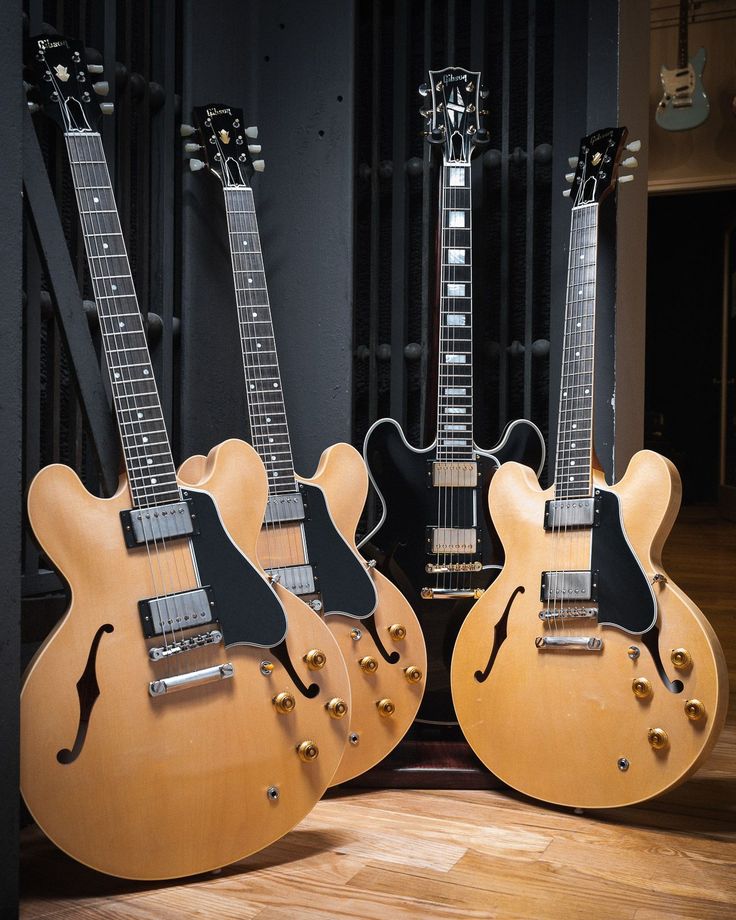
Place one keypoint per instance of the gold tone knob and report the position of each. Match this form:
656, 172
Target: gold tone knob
658, 738
368, 664
386, 707
337, 707
284, 702
397, 632
307, 751
316, 659
694, 710
642, 688
413, 675
681, 658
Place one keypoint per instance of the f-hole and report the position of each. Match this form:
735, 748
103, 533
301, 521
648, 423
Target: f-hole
499, 636
88, 690
370, 625
282, 653
651, 640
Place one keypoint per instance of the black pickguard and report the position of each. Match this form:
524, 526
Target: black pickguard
246, 606
344, 583
399, 545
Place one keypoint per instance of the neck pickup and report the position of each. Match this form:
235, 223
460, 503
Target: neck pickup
572, 513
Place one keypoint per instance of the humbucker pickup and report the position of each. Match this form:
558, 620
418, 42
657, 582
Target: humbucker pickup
565, 513
452, 540
299, 579
569, 586
159, 522
283, 508
456, 474
182, 610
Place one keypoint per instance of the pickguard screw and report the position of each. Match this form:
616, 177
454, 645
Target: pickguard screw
273, 793
354, 738
623, 764
266, 668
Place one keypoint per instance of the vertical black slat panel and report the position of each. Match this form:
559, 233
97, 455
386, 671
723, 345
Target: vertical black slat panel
398, 218
12, 103
504, 298
530, 186
32, 385
375, 224
109, 53
450, 59
71, 317
427, 392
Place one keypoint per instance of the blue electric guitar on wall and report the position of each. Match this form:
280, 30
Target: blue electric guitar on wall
684, 103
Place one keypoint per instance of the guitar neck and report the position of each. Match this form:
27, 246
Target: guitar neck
455, 378
146, 448
266, 409
682, 40
573, 473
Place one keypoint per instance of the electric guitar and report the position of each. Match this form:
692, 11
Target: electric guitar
307, 542
584, 676
435, 539
684, 103
172, 722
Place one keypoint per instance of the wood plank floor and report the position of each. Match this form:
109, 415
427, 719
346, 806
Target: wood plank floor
447, 855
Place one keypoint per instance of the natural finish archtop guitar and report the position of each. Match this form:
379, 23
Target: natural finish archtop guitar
173, 721
307, 543
435, 540
584, 676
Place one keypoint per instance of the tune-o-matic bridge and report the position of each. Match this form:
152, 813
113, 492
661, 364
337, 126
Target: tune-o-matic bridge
171, 612
198, 640
444, 567
283, 508
566, 513
159, 522
454, 474
569, 586
556, 615
452, 540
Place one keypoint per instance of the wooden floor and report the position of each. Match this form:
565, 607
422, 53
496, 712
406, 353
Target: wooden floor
450, 855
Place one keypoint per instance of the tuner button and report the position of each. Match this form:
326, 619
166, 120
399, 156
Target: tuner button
107, 108
570, 177
566, 193
260, 165
630, 162
95, 68
481, 136
195, 165
102, 87
192, 148
186, 130
33, 107
634, 147
251, 132
484, 92
423, 89
254, 148
572, 161
625, 178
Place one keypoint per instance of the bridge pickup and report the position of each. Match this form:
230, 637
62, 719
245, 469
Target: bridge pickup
568, 513
183, 610
569, 613
449, 474
433, 569
436, 594
586, 643
212, 637
283, 508
569, 586
192, 679
299, 579
454, 540
159, 522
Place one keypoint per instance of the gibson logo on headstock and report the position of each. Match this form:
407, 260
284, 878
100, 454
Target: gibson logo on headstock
454, 78
214, 111
45, 43
600, 136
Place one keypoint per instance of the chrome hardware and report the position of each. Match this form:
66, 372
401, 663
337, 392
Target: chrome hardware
162, 522
694, 710
659, 579
423, 89
368, 664
569, 586
623, 764
589, 643
299, 579
273, 578
450, 593
307, 751
315, 604
266, 668
681, 658
192, 679
569, 613
176, 611
288, 506
354, 739
658, 738
633, 652
34, 107
272, 793
355, 634
571, 512
315, 659
213, 637
370, 563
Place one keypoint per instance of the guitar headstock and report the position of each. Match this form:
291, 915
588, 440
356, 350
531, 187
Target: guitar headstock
221, 138
598, 164
455, 118
63, 83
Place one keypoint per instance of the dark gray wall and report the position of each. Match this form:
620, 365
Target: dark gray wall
285, 66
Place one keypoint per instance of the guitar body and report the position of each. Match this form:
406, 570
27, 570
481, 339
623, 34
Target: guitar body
401, 475
149, 787
684, 104
563, 724
340, 485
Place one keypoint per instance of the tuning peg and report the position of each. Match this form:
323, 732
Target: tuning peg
630, 162
425, 113
107, 108
566, 193
572, 161
195, 165
570, 177
423, 89
186, 130
192, 148
102, 87
251, 132
626, 178
481, 136
634, 147
33, 107
254, 148
27, 86
259, 165
483, 92
95, 68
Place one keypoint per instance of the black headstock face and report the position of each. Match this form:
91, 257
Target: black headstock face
598, 165
455, 119
63, 83
224, 144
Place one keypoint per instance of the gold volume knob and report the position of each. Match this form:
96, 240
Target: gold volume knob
284, 702
413, 675
386, 707
641, 687
694, 710
336, 707
681, 658
368, 664
316, 659
307, 751
658, 738
397, 632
